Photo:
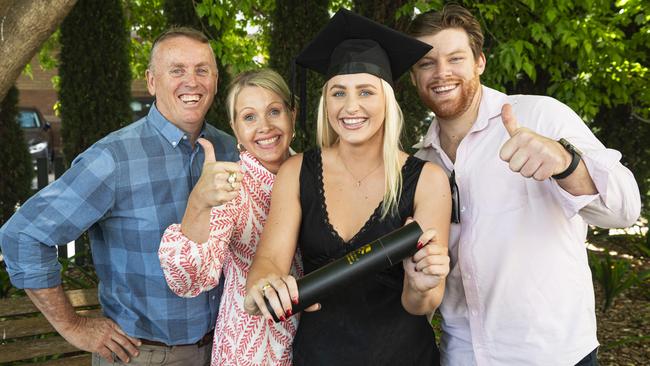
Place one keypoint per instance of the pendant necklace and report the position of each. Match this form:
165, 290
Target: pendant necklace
357, 182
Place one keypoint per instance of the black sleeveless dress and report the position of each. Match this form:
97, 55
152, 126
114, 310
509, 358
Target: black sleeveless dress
364, 323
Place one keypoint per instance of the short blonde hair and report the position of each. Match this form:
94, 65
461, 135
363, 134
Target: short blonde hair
263, 78
393, 123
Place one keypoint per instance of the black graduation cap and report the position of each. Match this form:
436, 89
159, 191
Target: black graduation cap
352, 44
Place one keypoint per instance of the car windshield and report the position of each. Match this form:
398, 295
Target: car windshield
28, 119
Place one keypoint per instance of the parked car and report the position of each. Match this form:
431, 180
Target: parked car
38, 134
140, 106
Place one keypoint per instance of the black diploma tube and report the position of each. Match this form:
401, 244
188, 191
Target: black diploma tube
373, 257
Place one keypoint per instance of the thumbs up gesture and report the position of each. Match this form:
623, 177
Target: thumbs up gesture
219, 182
531, 154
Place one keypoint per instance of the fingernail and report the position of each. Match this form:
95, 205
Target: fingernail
282, 318
416, 269
420, 245
271, 322
289, 313
294, 300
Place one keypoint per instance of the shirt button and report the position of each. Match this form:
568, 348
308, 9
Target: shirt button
174, 143
462, 209
213, 297
468, 277
184, 137
474, 312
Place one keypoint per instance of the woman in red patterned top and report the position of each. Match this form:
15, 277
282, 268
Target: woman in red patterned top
224, 219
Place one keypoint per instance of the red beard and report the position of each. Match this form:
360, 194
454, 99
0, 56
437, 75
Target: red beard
450, 109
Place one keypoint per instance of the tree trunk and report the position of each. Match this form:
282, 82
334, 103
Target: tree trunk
24, 26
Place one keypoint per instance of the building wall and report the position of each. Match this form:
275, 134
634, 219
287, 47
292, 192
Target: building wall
38, 91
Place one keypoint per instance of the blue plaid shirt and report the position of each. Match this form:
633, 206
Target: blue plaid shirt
125, 189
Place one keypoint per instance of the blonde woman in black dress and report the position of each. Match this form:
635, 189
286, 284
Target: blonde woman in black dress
357, 187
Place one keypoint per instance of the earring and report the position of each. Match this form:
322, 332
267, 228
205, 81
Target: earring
293, 136
240, 147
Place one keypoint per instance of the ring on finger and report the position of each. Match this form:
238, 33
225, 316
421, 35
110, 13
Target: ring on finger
232, 178
267, 285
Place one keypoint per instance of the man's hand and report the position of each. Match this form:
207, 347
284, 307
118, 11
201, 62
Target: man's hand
101, 336
531, 154
213, 187
97, 335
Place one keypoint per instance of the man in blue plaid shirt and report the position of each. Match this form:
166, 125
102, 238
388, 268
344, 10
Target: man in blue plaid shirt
125, 190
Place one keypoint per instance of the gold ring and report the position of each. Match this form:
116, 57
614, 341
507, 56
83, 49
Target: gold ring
266, 286
232, 178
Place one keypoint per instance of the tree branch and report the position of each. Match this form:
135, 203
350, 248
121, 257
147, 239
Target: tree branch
24, 26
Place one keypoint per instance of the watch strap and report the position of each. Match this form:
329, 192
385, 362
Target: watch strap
575, 160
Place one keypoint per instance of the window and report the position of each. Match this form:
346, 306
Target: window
28, 119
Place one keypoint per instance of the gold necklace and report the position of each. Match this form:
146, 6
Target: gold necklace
357, 181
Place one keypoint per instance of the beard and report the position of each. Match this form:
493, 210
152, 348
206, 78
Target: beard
450, 109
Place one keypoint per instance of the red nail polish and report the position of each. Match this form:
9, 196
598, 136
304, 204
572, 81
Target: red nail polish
289, 313
420, 245
271, 322
294, 301
282, 318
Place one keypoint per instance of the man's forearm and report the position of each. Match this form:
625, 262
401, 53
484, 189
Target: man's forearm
579, 183
56, 307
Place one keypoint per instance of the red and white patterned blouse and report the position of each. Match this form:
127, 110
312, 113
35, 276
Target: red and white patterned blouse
235, 231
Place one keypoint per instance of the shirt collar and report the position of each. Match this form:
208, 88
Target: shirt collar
489, 108
168, 130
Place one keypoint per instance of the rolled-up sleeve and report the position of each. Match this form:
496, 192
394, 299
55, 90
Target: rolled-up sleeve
56, 215
617, 203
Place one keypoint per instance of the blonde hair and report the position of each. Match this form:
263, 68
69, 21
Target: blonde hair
394, 120
263, 78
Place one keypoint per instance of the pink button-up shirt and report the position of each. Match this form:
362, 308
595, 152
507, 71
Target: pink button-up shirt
519, 290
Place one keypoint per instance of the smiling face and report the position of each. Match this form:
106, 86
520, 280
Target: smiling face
263, 125
183, 78
448, 77
356, 107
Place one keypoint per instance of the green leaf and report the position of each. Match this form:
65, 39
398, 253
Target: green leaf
529, 69
28, 71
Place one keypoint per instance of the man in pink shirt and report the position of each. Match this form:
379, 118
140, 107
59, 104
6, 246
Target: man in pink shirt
527, 177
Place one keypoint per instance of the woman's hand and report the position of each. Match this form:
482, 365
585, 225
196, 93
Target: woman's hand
429, 266
219, 181
281, 292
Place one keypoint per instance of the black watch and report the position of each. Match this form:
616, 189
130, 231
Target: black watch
575, 159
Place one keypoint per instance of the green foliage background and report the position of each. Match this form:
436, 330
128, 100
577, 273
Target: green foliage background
183, 13
95, 75
592, 55
16, 162
295, 23
589, 54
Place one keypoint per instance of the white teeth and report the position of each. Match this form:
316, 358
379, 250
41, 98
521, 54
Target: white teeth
268, 141
190, 98
442, 89
352, 121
